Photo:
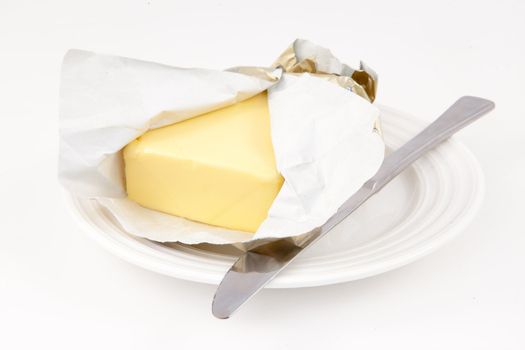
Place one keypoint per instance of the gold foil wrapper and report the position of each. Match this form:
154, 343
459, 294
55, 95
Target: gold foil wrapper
362, 81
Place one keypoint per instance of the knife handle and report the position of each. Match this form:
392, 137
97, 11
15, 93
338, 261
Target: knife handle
466, 110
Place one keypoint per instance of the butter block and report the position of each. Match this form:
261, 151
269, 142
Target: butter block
218, 168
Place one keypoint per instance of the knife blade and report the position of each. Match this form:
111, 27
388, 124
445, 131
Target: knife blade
259, 265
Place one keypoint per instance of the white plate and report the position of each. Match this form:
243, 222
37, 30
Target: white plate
419, 211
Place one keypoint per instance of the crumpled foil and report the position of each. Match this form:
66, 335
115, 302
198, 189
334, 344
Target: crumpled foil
303, 57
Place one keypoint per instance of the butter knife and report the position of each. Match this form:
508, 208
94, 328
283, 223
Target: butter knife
259, 265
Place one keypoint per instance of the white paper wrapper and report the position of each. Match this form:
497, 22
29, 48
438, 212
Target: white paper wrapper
323, 137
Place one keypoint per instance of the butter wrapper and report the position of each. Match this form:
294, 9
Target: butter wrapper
324, 129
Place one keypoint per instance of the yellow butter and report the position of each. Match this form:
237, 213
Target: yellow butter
217, 168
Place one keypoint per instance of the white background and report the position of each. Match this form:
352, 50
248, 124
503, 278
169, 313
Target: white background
59, 290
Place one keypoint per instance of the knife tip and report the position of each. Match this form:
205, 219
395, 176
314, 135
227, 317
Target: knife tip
220, 317
220, 312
